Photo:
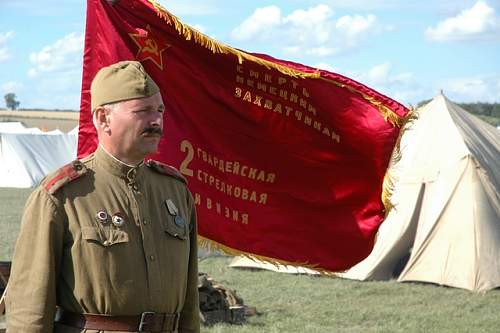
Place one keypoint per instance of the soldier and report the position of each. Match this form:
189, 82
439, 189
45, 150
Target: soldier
110, 240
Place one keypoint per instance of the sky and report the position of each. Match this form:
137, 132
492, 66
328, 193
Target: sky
408, 50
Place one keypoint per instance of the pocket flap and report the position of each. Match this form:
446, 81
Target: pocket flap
114, 236
90, 233
118, 236
179, 231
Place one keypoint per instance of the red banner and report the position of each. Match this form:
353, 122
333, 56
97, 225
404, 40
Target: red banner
285, 162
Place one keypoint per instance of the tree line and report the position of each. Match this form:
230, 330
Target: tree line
489, 112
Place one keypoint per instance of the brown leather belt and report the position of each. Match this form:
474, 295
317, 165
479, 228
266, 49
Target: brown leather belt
145, 322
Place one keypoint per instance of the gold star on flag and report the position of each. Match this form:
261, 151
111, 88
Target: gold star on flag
150, 47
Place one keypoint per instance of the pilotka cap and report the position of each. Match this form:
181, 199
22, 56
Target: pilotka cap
121, 81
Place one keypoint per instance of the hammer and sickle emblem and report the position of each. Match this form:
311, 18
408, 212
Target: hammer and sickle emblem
151, 46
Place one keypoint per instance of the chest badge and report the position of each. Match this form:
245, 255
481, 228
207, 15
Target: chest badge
102, 216
179, 221
174, 211
117, 220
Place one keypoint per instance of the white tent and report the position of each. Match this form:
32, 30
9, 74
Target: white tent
17, 127
28, 154
446, 225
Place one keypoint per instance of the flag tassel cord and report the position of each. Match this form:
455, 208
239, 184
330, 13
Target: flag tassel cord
390, 178
390, 116
209, 244
217, 47
387, 191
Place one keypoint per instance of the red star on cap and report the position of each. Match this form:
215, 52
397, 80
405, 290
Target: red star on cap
150, 46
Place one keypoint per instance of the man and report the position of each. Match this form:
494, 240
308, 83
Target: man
110, 240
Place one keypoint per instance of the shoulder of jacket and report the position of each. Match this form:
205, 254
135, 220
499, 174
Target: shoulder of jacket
64, 176
166, 169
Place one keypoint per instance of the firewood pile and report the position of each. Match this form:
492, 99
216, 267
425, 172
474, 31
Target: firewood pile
219, 304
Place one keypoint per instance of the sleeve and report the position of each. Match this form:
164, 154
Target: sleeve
31, 295
190, 314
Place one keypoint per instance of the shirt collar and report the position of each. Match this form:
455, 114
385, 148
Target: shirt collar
115, 166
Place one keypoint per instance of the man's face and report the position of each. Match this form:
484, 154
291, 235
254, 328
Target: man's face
136, 126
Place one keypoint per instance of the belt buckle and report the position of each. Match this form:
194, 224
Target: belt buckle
143, 322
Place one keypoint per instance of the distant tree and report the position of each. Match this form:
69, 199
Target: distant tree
10, 101
489, 112
485, 109
496, 111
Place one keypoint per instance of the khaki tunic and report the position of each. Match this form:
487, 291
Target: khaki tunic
66, 256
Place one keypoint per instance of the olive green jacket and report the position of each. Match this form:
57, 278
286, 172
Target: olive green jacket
72, 252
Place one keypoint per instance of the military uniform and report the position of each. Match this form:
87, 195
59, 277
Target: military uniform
101, 237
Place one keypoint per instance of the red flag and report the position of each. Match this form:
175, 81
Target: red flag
286, 162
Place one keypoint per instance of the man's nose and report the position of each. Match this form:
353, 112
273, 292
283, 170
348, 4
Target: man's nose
156, 119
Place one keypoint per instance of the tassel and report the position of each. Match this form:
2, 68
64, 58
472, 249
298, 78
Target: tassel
209, 245
217, 47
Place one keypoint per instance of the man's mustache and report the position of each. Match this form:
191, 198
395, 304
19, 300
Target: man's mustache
153, 130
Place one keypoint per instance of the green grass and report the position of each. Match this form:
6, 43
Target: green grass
299, 303
12, 202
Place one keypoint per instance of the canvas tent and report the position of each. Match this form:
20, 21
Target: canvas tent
17, 127
28, 154
446, 226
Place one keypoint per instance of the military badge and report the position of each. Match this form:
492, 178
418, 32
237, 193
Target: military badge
117, 220
179, 221
102, 216
172, 209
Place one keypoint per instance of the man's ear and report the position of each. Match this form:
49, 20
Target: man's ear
102, 119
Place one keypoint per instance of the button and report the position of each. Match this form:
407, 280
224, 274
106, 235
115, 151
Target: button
152, 257
106, 243
145, 222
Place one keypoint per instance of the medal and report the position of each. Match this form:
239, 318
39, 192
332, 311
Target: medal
179, 221
172, 209
102, 216
117, 220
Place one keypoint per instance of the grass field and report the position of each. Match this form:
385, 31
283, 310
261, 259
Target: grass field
11, 208
291, 303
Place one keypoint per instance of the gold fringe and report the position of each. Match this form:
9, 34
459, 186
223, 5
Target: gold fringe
387, 192
218, 47
209, 244
390, 177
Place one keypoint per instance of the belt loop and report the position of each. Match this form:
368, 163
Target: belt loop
176, 321
171, 323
